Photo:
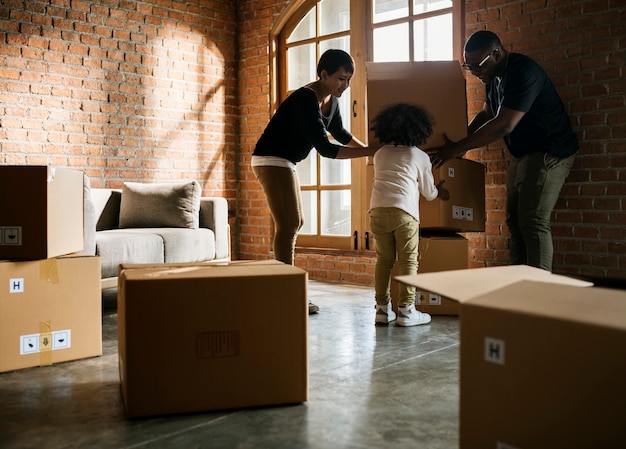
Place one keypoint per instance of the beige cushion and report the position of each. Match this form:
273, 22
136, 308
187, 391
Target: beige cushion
171, 205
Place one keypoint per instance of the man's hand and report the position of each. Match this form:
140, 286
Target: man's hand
441, 155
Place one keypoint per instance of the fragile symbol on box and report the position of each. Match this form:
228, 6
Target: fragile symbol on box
48, 341
11, 235
61, 339
462, 213
29, 344
434, 299
494, 350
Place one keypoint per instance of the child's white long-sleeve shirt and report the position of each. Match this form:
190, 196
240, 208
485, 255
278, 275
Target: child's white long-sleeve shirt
401, 175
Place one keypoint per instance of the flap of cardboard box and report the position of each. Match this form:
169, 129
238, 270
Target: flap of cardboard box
439, 86
436, 71
463, 285
562, 302
206, 269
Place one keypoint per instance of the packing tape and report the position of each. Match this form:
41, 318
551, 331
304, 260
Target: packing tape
49, 270
45, 343
170, 271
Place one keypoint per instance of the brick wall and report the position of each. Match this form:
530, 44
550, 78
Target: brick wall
156, 90
582, 45
123, 89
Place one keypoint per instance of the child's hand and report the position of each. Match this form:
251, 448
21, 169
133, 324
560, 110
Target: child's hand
442, 192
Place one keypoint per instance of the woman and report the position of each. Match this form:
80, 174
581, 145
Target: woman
301, 123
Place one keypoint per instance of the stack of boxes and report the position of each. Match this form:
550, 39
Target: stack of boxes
192, 337
50, 303
440, 88
541, 355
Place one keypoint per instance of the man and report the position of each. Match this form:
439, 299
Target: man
523, 107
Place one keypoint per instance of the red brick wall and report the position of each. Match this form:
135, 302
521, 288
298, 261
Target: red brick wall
582, 45
256, 18
123, 89
155, 90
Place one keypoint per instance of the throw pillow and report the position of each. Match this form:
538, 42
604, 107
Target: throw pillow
171, 205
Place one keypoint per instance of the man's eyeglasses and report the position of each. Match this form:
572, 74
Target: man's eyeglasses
476, 67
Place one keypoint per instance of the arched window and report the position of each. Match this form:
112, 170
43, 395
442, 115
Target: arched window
334, 192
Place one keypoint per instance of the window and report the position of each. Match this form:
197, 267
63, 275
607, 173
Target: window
335, 193
412, 30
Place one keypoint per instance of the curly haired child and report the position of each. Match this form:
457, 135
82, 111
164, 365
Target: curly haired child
402, 172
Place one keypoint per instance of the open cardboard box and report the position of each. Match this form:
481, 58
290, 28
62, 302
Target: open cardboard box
438, 86
543, 361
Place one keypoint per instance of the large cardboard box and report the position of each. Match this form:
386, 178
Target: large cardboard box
439, 86
41, 212
436, 253
50, 311
440, 253
465, 210
212, 336
542, 359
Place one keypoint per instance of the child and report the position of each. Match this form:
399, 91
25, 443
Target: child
402, 172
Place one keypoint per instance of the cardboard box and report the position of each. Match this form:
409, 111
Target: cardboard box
50, 311
436, 253
465, 210
42, 212
212, 336
542, 359
440, 253
439, 86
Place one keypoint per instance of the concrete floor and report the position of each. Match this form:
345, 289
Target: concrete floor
370, 387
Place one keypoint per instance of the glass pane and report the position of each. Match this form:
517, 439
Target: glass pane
391, 43
302, 66
341, 43
309, 207
305, 29
390, 9
420, 6
335, 16
334, 171
433, 39
307, 170
335, 210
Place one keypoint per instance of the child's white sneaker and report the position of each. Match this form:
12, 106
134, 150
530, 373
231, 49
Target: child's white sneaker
408, 316
384, 314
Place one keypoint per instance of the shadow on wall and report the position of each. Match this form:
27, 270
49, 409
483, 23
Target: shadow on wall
169, 113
